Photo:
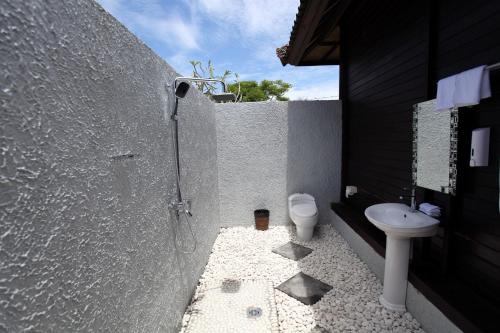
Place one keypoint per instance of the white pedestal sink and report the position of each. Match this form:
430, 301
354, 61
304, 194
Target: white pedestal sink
400, 223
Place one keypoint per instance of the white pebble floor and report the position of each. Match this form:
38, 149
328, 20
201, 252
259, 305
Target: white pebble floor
243, 253
224, 311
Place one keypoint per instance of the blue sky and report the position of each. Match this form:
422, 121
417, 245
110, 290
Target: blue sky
239, 35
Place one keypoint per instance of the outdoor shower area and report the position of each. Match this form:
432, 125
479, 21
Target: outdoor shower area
87, 239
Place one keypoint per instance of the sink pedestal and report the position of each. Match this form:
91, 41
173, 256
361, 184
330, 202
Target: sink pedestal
397, 255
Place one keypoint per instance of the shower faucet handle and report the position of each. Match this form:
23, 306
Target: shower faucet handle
181, 206
187, 206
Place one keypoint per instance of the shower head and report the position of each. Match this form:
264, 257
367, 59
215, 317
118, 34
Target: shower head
224, 97
182, 89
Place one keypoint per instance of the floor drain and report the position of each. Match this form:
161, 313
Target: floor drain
253, 312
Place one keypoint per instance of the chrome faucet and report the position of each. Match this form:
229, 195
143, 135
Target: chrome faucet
413, 202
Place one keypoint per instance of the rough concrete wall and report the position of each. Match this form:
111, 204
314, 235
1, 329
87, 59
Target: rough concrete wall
86, 242
315, 152
269, 150
251, 150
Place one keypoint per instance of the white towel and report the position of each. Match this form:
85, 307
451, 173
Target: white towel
445, 92
463, 89
428, 206
430, 210
471, 86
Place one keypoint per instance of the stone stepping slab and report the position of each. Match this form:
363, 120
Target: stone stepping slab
304, 288
293, 251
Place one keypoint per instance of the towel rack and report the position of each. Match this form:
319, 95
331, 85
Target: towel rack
494, 66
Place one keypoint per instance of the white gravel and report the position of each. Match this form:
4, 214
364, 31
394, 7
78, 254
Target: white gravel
226, 310
242, 253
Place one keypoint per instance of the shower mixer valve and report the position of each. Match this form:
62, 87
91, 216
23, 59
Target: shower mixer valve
180, 206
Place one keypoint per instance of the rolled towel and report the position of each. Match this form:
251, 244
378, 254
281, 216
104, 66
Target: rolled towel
427, 205
429, 209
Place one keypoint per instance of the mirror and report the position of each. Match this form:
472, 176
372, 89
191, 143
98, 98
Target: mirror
434, 147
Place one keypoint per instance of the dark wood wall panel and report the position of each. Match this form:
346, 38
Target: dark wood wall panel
467, 38
386, 61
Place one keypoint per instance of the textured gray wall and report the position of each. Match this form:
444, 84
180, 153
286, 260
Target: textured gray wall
315, 152
269, 150
86, 242
251, 150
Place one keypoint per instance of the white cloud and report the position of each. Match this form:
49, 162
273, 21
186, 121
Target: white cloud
315, 91
171, 30
253, 18
151, 19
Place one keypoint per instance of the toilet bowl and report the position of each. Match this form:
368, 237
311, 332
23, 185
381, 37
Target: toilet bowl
304, 214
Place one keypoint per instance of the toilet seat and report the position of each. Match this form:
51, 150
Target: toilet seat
304, 209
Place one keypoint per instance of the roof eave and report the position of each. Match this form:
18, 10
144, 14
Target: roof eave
314, 20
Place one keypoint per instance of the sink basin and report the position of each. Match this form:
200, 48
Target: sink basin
400, 223
398, 220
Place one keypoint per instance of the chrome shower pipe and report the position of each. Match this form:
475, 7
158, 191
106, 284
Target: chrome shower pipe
179, 206
198, 79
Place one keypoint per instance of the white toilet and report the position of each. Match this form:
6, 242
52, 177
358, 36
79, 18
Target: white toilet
304, 213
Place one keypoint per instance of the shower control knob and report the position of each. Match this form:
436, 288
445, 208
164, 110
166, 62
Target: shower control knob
187, 206
172, 205
180, 206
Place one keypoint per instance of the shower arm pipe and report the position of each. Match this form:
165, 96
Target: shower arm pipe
198, 79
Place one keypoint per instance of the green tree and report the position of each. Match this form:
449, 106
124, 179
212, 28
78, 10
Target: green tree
266, 90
